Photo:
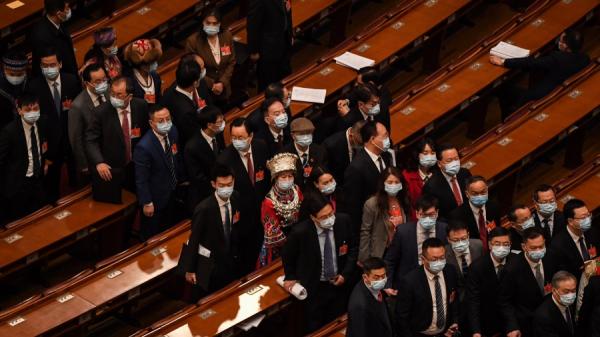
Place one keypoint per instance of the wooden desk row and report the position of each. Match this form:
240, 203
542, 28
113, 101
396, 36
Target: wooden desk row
464, 82
53, 229
408, 26
336, 328
93, 293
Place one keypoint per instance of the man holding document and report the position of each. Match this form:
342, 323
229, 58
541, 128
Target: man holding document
556, 66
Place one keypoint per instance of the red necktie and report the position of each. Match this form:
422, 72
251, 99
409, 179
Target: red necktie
126, 136
380, 297
482, 229
250, 167
456, 191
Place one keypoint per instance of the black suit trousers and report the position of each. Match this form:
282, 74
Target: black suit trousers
29, 198
324, 306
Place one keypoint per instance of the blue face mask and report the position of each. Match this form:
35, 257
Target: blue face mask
374, 110
221, 127
117, 103
427, 222
329, 188
460, 246
164, 128
452, 168
224, 192
479, 200
568, 299
15, 80
378, 285
113, 50
500, 252
392, 189
211, 30
328, 222
31, 116
585, 224
527, 224
427, 160
51, 72
386, 144
304, 140
153, 67
281, 121
437, 266
547, 208
101, 88
286, 184
537, 255
240, 144
68, 15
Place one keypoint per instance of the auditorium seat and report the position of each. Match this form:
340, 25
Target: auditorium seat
336, 328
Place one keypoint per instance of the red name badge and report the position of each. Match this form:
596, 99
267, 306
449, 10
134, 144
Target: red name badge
44, 147
259, 176
343, 250
225, 50
136, 133
547, 289
452, 296
490, 225
66, 104
592, 251
236, 216
307, 171
150, 98
201, 103
174, 149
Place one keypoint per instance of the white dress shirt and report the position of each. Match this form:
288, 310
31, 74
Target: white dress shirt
27, 131
350, 152
459, 256
208, 138
58, 87
128, 108
222, 204
576, 238
433, 329
322, 248
533, 265
550, 221
243, 157
449, 180
475, 211
189, 95
94, 97
375, 159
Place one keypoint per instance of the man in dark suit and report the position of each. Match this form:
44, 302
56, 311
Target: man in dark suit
24, 158
362, 175
370, 75
201, 152
50, 31
158, 171
270, 39
589, 313
520, 219
320, 254
479, 213
256, 118
461, 251
367, 311
402, 255
555, 67
111, 137
555, 317
247, 157
448, 183
94, 94
427, 296
482, 284
575, 245
363, 106
56, 91
274, 131
211, 258
12, 84
546, 215
341, 148
309, 154
188, 97
525, 284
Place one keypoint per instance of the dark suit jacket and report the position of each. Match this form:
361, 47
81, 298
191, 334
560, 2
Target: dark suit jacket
465, 214
184, 110
58, 136
476, 251
558, 222
317, 156
269, 28
199, 162
43, 35
402, 255
481, 296
360, 182
221, 265
557, 66
548, 321
414, 310
104, 138
152, 172
354, 115
567, 253
8, 95
139, 92
80, 118
336, 146
263, 133
301, 253
14, 155
438, 187
366, 315
589, 313
519, 294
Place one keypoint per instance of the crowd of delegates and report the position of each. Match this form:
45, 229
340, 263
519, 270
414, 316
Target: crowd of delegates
330, 198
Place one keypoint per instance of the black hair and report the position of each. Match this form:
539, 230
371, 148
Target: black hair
154, 108
209, 114
368, 131
92, 67
188, 71
370, 75
315, 203
211, 11
268, 102
498, 231
531, 233
570, 206
456, 225
241, 121
512, 213
413, 160
381, 194
473, 179
541, 188
274, 89
221, 171
574, 40
53, 6
26, 99
128, 83
372, 263
425, 202
444, 147
49, 51
431, 243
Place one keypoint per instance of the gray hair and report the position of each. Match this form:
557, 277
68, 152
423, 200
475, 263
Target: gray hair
561, 276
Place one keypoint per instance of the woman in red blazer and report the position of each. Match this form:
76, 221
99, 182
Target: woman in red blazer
419, 170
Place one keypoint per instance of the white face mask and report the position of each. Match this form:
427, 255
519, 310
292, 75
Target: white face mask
15, 80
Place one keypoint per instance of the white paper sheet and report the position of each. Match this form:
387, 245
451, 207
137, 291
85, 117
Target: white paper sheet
309, 95
251, 322
353, 61
508, 51
297, 290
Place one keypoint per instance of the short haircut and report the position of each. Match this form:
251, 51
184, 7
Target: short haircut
364, 92
574, 40
498, 231
541, 188
355, 130
425, 202
268, 102
431, 243
53, 6
209, 114
241, 121
128, 83
456, 225
562, 276
154, 108
512, 213
315, 203
444, 147
49, 51
26, 99
188, 72
91, 68
372, 263
531, 234
571, 206
473, 179
274, 90
221, 171
368, 130
370, 75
